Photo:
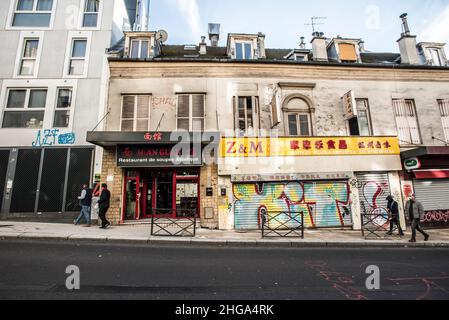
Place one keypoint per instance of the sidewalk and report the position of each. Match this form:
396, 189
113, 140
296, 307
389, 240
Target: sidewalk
140, 234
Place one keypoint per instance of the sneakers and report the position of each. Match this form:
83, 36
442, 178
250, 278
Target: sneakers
412, 241
426, 238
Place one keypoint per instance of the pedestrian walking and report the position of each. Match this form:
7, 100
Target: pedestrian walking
86, 203
103, 204
415, 211
393, 211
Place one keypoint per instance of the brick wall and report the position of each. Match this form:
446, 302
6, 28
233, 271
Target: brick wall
209, 178
110, 169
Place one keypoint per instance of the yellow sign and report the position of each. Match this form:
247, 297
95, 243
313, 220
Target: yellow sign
297, 147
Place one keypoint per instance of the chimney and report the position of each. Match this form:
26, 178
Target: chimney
302, 45
362, 46
203, 46
261, 45
319, 47
407, 44
214, 34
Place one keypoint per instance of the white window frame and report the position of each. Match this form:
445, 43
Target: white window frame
443, 105
255, 115
24, 36
13, 11
407, 122
243, 42
26, 107
81, 16
441, 62
72, 36
191, 118
368, 115
140, 40
297, 114
71, 108
135, 118
299, 55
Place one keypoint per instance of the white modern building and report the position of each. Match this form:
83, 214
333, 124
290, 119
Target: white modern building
53, 84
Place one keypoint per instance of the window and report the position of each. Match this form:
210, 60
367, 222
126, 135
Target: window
246, 113
32, 13
78, 57
243, 51
140, 48
300, 57
63, 108
361, 125
29, 56
406, 121
25, 108
299, 124
435, 57
444, 111
90, 16
347, 52
191, 112
135, 113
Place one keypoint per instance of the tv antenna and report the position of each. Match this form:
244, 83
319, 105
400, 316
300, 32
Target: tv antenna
315, 23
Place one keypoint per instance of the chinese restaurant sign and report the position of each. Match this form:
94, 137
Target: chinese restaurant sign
157, 156
297, 147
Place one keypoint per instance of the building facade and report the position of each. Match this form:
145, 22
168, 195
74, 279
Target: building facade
53, 84
324, 131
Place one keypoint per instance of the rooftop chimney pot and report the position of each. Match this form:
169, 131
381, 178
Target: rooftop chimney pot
405, 25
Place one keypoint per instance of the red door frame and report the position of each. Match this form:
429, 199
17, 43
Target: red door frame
143, 175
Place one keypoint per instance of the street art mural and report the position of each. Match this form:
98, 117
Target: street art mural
324, 204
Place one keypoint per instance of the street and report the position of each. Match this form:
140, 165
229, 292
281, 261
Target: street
37, 270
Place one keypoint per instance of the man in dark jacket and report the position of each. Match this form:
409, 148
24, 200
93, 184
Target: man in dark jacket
393, 210
86, 203
415, 211
103, 205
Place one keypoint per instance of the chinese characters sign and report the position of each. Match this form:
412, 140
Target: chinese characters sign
295, 147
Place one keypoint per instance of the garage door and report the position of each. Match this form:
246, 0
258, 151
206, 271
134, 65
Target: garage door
434, 195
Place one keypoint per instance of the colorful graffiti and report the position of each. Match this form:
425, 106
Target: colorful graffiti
324, 204
436, 219
51, 137
373, 201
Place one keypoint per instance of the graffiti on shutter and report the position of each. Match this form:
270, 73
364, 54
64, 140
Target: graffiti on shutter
324, 204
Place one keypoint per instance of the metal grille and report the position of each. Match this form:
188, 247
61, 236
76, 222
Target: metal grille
51, 191
23, 198
282, 224
4, 159
79, 174
169, 227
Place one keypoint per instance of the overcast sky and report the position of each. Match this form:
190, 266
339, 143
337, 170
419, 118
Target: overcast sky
283, 21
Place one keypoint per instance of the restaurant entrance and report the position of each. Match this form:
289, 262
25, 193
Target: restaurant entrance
171, 193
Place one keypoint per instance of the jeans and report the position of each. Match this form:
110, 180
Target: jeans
416, 226
85, 212
102, 215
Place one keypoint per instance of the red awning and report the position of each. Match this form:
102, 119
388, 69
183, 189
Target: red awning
431, 174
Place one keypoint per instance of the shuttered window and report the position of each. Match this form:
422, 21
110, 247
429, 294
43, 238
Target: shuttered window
406, 121
444, 112
135, 113
347, 52
191, 112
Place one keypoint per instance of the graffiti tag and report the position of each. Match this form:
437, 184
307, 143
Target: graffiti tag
51, 137
437, 216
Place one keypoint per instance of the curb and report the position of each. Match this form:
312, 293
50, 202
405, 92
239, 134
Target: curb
223, 242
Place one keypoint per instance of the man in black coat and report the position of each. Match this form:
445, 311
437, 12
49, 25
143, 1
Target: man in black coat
393, 210
103, 205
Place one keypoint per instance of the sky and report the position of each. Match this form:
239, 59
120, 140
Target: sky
284, 21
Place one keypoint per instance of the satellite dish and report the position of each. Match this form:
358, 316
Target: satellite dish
161, 36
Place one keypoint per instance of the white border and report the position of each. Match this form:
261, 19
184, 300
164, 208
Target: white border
12, 10
70, 37
81, 16
28, 35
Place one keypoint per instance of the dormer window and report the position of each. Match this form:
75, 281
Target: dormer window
140, 48
435, 57
300, 57
347, 52
243, 50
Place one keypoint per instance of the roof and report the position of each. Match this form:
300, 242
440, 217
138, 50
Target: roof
378, 57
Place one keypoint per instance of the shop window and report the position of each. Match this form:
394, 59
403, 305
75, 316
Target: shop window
135, 113
246, 114
191, 112
90, 14
406, 121
25, 108
32, 13
444, 112
63, 108
361, 124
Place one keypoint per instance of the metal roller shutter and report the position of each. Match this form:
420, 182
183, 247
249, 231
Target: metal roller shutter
433, 194
326, 203
373, 191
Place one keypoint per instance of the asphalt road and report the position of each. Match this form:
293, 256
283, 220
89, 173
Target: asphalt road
36, 270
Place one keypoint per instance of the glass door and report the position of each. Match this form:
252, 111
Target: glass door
132, 196
163, 198
187, 200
